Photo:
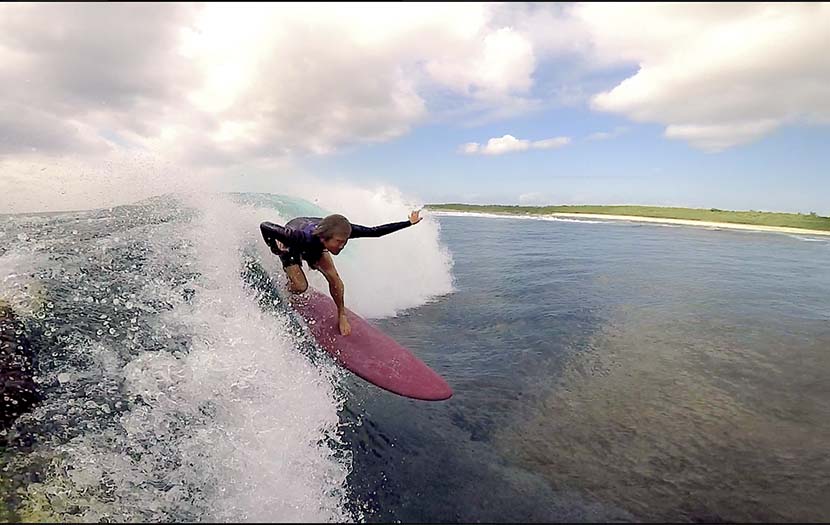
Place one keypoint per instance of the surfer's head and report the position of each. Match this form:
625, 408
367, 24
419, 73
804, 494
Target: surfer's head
334, 231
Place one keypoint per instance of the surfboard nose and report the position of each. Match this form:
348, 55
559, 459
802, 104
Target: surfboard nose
435, 392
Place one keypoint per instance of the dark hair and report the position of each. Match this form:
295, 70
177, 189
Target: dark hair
333, 225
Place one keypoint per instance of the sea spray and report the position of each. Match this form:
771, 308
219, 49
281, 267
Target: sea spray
382, 276
175, 389
170, 394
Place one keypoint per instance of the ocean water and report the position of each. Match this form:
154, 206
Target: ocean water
602, 371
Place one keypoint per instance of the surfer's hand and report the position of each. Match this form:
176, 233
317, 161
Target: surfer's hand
345, 328
414, 217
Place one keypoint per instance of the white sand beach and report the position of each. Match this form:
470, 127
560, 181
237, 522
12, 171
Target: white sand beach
685, 222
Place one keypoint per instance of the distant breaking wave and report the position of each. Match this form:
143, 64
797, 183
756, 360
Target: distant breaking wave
507, 216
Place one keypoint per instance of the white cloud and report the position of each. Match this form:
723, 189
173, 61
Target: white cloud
210, 85
263, 80
502, 65
719, 137
470, 148
716, 76
509, 144
556, 142
505, 144
301, 78
91, 68
252, 80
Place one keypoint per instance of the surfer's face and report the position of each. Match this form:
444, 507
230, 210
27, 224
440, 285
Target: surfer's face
335, 244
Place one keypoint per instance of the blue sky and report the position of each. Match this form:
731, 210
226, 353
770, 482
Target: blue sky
700, 105
788, 170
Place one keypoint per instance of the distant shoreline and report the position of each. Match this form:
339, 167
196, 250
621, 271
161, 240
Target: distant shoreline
634, 218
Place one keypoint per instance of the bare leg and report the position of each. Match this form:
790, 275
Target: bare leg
297, 282
326, 266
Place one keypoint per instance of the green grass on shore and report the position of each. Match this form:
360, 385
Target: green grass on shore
758, 218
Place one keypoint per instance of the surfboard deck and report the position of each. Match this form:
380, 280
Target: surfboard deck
368, 352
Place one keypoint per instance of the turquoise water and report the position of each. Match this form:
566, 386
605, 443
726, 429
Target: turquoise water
602, 372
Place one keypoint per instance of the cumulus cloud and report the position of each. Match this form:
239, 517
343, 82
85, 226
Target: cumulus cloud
470, 147
207, 86
91, 67
29, 129
504, 144
556, 142
211, 83
716, 76
502, 65
509, 144
718, 137
217, 82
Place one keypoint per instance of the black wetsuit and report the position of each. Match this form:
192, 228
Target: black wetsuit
298, 236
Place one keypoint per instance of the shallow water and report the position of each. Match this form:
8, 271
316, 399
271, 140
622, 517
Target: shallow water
614, 372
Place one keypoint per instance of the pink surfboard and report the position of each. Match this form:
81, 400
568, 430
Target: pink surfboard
368, 352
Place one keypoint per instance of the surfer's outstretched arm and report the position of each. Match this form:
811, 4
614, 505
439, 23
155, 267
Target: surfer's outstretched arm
384, 229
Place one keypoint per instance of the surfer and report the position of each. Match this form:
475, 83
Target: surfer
316, 240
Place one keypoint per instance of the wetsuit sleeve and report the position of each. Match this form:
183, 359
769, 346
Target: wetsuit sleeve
287, 236
377, 231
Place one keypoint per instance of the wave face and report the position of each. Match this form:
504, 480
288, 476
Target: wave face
174, 384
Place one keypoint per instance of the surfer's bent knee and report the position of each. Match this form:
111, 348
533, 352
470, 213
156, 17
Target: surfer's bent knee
297, 282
